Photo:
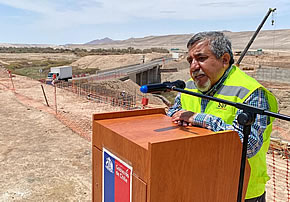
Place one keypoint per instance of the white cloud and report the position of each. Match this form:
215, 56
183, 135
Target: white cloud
28, 5
100, 11
61, 14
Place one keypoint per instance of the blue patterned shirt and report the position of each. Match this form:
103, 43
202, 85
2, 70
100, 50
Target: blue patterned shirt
256, 99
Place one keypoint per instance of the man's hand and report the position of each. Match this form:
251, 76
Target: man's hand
183, 118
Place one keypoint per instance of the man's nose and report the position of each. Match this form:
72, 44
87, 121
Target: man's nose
194, 65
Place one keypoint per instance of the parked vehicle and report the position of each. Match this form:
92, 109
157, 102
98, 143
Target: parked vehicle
61, 73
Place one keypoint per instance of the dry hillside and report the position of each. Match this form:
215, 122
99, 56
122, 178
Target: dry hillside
266, 39
111, 61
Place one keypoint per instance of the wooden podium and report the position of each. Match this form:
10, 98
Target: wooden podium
170, 163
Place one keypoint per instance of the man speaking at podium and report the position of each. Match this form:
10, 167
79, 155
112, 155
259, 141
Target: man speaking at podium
212, 73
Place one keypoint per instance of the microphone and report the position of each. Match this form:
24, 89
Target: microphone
162, 87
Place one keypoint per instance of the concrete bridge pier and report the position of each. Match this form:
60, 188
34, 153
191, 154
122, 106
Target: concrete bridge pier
147, 77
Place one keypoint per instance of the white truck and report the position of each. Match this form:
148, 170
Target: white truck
61, 73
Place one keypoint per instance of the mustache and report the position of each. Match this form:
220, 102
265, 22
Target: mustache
197, 73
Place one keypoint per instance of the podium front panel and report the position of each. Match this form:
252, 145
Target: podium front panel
204, 168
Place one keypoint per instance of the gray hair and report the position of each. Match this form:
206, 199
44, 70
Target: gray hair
218, 42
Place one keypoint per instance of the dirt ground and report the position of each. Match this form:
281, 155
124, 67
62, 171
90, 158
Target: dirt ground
41, 159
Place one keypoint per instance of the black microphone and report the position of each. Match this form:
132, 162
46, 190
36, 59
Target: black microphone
162, 87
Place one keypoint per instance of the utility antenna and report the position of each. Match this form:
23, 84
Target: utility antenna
274, 30
254, 36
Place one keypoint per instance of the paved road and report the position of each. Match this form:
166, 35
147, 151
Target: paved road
127, 69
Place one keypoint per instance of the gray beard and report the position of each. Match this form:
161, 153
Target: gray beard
205, 87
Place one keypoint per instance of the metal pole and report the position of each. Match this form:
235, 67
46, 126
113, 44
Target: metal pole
246, 132
254, 36
55, 99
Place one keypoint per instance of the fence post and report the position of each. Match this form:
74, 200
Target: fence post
10, 75
44, 95
54, 84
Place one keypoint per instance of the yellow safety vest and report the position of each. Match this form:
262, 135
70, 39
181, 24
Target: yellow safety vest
237, 87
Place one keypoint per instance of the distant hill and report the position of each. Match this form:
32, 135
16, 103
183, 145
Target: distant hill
101, 41
266, 39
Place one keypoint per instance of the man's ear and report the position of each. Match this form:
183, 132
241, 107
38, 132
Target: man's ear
226, 59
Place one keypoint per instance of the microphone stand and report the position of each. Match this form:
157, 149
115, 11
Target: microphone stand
246, 118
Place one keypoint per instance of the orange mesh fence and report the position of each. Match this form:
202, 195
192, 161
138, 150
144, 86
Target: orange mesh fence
278, 170
98, 94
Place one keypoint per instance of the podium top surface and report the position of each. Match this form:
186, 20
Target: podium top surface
149, 128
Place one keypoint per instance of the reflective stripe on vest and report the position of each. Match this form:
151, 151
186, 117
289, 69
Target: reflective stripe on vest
237, 88
238, 91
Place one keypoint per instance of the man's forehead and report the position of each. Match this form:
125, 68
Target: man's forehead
199, 44
199, 47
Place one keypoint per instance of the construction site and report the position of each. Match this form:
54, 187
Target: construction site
46, 130
45, 143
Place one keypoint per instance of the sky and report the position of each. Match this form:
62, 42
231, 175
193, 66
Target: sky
62, 22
